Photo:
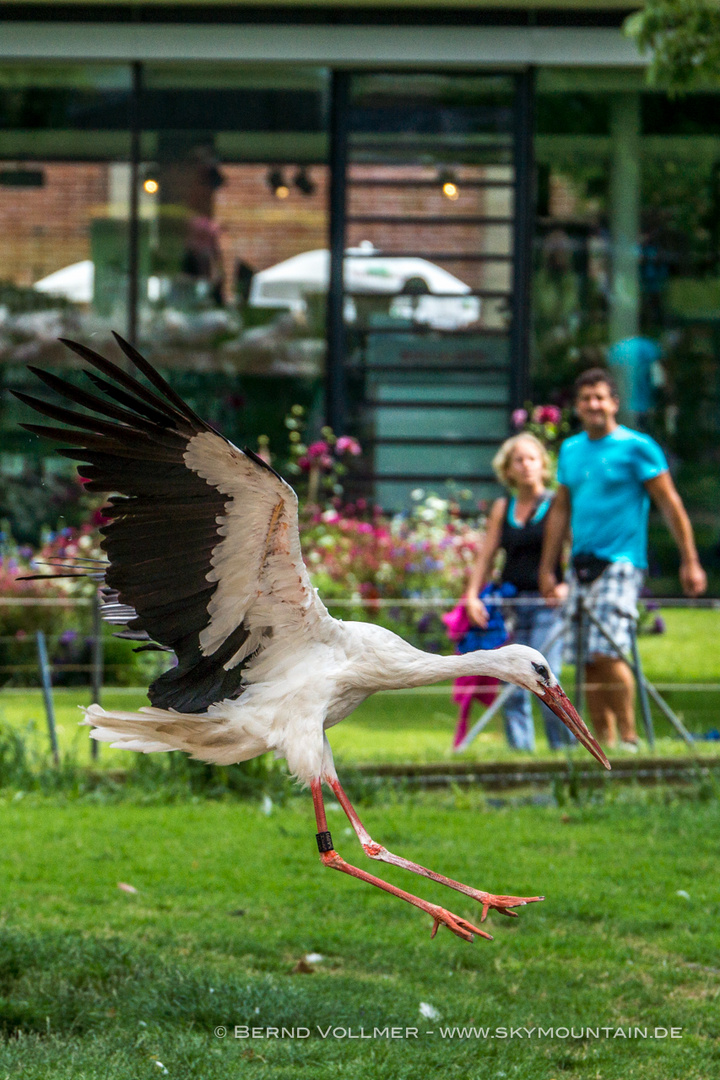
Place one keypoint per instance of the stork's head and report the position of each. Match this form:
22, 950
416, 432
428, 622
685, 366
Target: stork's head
528, 668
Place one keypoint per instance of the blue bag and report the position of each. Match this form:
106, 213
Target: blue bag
495, 633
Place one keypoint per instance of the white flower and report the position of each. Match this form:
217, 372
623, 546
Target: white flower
314, 958
681, 892
267, 805
429, 1011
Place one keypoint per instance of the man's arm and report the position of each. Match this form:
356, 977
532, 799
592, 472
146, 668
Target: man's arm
556, 529
665, 496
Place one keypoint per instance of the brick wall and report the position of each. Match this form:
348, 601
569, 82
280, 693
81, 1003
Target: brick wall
44, 229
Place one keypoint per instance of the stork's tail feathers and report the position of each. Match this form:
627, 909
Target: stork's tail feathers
152, 730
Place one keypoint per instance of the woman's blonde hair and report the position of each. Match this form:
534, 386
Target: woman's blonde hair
501, 461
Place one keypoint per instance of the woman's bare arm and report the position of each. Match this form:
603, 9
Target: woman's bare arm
477, 612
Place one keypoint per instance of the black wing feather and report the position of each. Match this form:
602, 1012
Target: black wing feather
114, 372
164, 524
159, 383
128, 400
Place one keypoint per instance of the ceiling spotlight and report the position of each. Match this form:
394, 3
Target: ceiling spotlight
276, 183
449, 185
151, 186
303, 182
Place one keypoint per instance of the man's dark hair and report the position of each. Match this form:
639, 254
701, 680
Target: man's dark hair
592, 377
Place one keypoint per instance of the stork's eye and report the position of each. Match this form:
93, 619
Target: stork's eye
542, 671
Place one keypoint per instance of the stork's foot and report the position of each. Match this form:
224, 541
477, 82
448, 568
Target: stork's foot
504, 903
459, 926
439, 915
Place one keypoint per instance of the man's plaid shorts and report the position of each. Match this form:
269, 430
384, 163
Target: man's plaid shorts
612, 598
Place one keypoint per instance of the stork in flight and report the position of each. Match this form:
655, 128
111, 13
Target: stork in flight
204, 559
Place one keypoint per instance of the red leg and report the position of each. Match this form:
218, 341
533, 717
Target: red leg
330, 857
377, 851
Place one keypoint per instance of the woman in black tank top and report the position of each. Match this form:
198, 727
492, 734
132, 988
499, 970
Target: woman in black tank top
517, 525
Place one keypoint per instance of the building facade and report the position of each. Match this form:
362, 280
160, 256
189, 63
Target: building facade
410, 219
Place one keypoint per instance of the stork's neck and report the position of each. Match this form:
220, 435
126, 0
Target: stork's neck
421, 668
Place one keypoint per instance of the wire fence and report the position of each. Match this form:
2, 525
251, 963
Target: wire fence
89, 631
61, 642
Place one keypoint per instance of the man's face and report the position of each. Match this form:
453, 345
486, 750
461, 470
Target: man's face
596, 408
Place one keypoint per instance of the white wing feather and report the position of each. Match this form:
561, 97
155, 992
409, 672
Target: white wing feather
258, 565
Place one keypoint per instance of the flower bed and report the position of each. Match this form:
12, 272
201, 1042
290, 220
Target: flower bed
353, 554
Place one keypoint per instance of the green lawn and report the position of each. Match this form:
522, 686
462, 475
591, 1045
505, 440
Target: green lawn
96, 982
418, 725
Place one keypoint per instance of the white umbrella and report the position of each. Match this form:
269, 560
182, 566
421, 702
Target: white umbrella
75, 282
286, 285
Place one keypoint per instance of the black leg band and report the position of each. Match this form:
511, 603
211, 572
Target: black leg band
324, 841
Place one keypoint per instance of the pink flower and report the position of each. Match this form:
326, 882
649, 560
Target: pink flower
317, 449
519, 417
304, 463
348, 445
548, 414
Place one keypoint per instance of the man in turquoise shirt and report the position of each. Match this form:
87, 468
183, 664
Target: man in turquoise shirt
607, 475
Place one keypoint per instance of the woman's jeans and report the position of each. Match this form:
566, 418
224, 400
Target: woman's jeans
533, 626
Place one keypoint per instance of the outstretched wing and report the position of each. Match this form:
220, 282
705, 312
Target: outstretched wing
203, 545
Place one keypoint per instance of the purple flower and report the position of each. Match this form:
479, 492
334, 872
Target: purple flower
658, 626
519, 417
68, 636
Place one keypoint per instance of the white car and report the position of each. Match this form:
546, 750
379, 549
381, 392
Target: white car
410, 281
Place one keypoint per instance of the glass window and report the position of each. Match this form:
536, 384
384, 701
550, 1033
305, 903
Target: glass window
428, 277
64, 206
234, 263
627, 265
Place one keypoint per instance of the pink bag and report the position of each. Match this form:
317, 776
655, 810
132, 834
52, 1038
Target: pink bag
457, 622
467, 688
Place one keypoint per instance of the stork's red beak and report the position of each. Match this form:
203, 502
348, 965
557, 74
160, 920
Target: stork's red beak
556, 699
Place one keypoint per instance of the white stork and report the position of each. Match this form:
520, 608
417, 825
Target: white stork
204, 559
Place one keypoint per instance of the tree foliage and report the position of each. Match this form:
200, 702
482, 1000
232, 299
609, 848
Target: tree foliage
684, 36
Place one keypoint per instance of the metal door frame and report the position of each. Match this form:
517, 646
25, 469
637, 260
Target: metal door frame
523, 232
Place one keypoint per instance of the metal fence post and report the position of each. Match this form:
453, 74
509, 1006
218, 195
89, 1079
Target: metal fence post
97, 665
45, 675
